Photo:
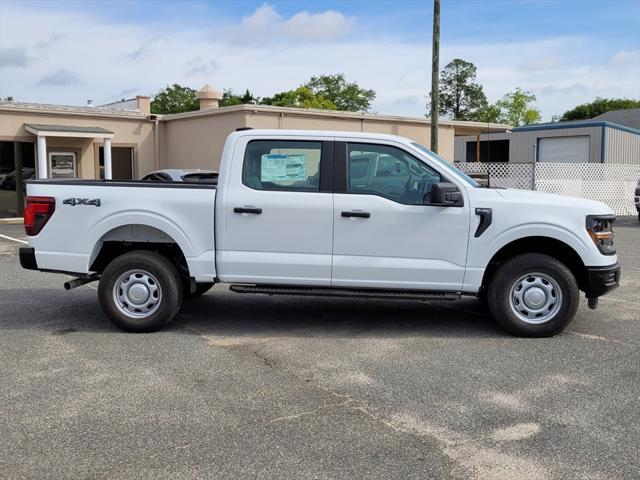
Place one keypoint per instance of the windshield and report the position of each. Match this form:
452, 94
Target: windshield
460, 174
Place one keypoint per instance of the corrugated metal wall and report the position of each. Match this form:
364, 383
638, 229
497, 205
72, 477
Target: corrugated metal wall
523, 144
621, 146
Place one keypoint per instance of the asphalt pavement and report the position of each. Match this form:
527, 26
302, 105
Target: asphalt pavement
242, 386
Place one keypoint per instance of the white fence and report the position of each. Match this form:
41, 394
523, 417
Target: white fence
613, 184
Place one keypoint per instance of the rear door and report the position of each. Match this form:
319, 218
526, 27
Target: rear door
279, 212
384, 234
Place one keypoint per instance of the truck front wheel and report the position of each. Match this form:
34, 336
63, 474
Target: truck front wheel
140, 291
533, 295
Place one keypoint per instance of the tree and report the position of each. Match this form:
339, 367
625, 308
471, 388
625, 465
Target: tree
346, 96
598, 107
301, 97
175, 99
460, 97
230, 99
516, 109
489, 113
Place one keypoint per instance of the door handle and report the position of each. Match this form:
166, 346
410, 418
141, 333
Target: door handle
356, 214
254, 210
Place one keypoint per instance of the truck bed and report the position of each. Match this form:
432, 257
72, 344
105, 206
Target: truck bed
89, 213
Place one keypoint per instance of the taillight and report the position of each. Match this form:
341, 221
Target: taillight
37, 212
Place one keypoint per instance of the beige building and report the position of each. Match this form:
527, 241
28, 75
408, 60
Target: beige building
125, 141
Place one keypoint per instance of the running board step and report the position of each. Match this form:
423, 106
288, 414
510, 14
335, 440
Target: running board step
421, 295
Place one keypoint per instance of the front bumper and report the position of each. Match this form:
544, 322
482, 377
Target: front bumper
602, 279
28, 258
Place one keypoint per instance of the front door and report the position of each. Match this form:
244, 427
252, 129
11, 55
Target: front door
384, 234
279, 213
63, 165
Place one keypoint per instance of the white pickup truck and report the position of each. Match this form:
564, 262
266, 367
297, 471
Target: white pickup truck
324, 213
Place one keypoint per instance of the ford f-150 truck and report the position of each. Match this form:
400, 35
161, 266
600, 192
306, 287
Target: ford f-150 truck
324, 213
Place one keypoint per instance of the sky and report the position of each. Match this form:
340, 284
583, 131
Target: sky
566, 52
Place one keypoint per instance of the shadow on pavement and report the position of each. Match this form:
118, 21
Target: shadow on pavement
221, 312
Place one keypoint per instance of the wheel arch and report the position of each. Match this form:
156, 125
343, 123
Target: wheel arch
136, 236
552, 247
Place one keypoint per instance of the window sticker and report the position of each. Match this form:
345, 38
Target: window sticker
276, 167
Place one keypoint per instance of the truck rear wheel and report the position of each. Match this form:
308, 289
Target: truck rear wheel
533, 295
140, 291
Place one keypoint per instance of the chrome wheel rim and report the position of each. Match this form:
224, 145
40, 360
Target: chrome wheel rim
137, 294
535, 298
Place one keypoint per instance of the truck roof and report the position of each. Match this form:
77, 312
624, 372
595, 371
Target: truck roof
320, 133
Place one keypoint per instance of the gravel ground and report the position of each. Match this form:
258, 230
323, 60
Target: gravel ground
283, 387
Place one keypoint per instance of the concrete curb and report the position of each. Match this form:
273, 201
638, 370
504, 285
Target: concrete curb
11, 221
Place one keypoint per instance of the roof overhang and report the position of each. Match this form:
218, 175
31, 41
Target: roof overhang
67, 131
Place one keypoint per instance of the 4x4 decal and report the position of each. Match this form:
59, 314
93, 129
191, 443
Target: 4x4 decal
82, 201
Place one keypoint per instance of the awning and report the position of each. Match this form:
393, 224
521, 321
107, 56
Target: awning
67, 131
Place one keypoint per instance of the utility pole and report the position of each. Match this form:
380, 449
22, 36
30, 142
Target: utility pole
435, 71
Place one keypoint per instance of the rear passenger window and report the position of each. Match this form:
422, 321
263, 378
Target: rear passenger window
283, 165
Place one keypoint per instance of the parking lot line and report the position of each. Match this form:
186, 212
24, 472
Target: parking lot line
13, 239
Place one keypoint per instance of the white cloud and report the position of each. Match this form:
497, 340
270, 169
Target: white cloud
60, 78
267, 25
147, 48
100, 54
14, 57
628, 58
198, 66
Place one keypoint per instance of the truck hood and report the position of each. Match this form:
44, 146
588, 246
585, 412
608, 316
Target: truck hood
590, 207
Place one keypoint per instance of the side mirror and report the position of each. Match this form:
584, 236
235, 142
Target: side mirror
444, 194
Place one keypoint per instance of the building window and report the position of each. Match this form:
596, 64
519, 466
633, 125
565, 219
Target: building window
490, 151
63, 165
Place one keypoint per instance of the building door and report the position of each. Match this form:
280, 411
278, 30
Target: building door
63, 165
17, 165
564, 149
121, 163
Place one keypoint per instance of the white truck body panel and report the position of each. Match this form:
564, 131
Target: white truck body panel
72, 238
301, 238
290, 243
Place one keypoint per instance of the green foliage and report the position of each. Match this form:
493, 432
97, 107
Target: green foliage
345, 96
175, 99
301, 97
230, 99
326, 92
460, 97
488, 113
598, 107
515, 109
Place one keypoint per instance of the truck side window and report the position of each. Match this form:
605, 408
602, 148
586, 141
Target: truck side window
282, 165
388, 172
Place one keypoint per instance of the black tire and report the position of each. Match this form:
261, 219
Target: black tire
160, 274
200, 289
520, 274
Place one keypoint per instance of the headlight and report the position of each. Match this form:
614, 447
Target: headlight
600, 229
